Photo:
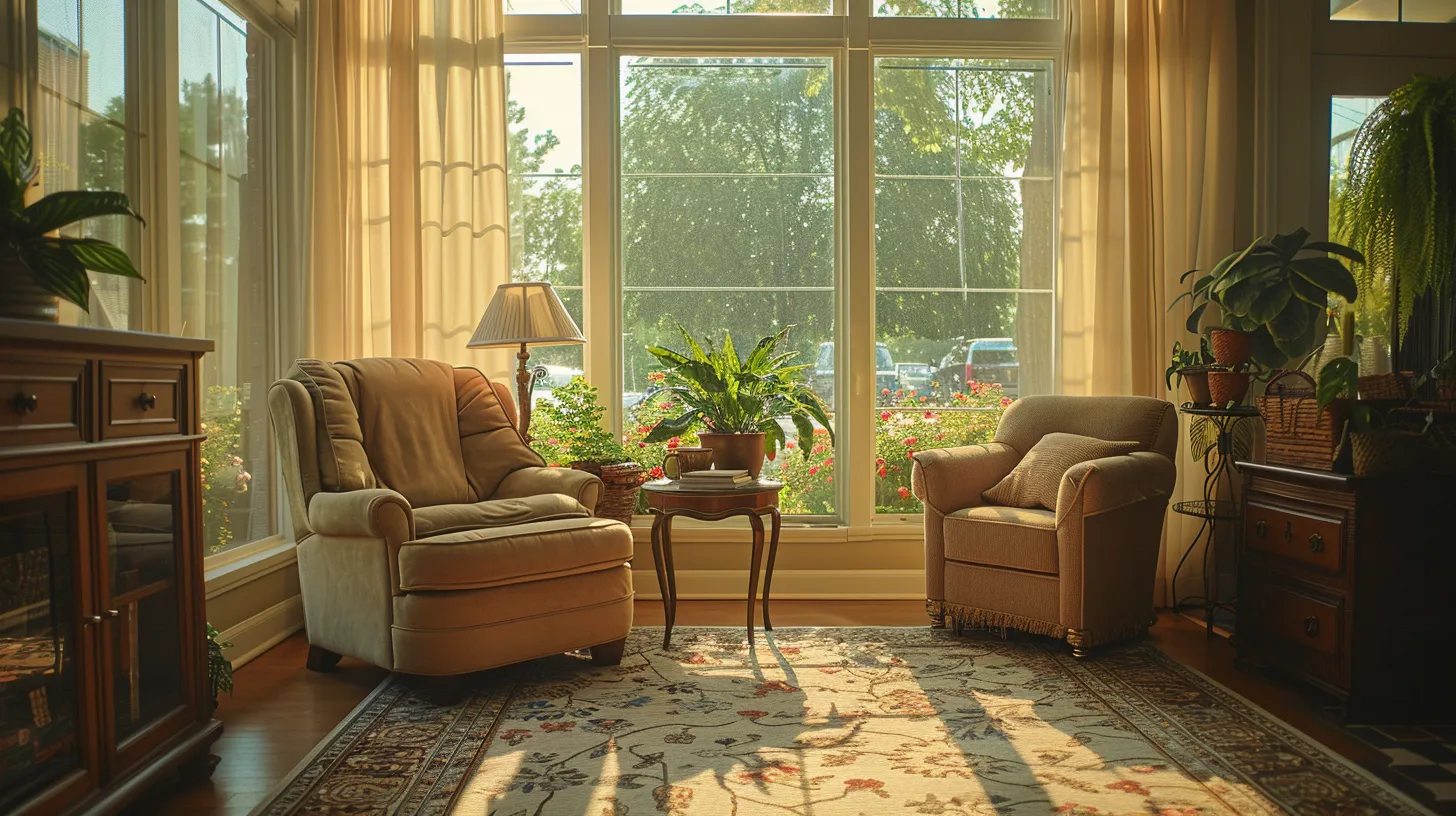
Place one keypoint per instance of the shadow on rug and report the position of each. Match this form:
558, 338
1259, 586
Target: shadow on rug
828, 721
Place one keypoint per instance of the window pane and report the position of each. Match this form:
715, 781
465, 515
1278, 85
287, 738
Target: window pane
727, 6
728, 225
543, 7
84, 141
1406, 11
1372, 314
976, 9
964, 261
227, 258
543, 93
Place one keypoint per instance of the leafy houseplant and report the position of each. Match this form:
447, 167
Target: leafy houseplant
568, 430
1191, 367
36, 266
219, 668
738, 400
1398, 206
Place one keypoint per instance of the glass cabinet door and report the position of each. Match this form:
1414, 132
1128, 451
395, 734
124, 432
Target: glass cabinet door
144, 675
42, 724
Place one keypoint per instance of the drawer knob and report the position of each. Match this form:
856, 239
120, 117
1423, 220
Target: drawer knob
91, 620
1261, 528
1316, 543
147, 401
1311, 626
1288, 531
24, 403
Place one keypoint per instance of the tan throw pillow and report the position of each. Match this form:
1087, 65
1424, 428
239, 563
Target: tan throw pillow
1037, 478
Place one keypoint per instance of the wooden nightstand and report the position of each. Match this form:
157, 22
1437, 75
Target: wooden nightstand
1347, 582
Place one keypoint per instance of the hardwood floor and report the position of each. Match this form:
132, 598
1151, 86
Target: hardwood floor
280, 710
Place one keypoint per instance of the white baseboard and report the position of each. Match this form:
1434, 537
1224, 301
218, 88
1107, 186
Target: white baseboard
264, 630
864, 585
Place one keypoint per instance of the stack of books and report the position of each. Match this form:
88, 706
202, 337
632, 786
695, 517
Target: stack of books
714, 479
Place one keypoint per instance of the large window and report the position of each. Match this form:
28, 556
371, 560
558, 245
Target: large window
1404, 11
227, 258
87, 133
544, 115
964, 267
727, 216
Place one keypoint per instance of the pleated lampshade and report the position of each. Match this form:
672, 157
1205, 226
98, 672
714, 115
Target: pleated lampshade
529, 313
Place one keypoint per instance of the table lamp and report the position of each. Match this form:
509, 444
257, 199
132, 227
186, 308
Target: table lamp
525, 314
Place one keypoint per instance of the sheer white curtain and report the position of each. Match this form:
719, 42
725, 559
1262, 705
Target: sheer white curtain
1148, 192
408, 234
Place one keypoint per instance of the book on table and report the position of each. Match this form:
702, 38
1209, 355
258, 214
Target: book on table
715, 479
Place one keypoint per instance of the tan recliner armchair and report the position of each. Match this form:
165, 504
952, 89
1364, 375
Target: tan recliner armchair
431, 539
1085, 572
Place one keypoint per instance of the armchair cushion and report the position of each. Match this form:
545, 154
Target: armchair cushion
454, 518
496, 556
342, 463
1037, 478
1010, 537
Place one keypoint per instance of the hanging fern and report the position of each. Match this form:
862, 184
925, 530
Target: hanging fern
1398, 207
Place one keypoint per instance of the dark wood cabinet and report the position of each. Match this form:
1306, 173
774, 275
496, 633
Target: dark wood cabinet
1347, 583
103, 682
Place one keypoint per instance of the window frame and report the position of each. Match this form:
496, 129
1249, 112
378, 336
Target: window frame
853, 37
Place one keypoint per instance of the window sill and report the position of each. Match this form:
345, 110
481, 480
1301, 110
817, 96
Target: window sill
248, 563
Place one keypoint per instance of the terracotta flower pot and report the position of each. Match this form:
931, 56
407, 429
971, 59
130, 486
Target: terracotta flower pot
1197, 382
21, 297
735, 451
1226, 387
1231, 348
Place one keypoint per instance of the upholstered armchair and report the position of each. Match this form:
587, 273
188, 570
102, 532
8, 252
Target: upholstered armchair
431, 538
1084, 571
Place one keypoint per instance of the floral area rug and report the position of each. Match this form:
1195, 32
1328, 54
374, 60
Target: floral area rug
828, 721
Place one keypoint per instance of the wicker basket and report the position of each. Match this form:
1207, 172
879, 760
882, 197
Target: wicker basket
1387, 452
619, 494
1389, 386
1296, 431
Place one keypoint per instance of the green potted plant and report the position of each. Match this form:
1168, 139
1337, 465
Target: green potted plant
38, 266
1398, 204
1191, 367
567, 429
219, 668
738, 400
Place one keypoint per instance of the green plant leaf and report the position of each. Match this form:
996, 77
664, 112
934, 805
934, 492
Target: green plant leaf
1251, 267
1339, 377
674, 426
1270, 302
58, 273
1296, 330
61, 209
1329, 275
98, 255
1194, 317
1308, 292
17, 149
1266, 349
1335, 249
1289, 245
1239, 298
668, 356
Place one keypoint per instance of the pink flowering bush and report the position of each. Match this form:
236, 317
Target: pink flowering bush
909, 421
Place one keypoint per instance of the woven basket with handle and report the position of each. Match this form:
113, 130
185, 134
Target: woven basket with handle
1296, 431
620, 483
1389, 386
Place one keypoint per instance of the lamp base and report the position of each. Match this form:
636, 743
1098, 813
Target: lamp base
523, 392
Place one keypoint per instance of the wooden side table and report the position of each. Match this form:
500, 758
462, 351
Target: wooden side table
667, 500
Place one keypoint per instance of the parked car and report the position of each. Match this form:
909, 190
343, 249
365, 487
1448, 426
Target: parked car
994, 360
821, 378
915, 375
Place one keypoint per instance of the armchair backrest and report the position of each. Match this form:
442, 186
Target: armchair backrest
433, 433
1150, 422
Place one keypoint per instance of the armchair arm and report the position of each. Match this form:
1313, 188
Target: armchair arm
951, 479
534, 481
1114, 481
371, 513
1109, 532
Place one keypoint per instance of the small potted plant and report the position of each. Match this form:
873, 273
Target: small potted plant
739, 400
37, 265
568, 430
219, 668
1192, 368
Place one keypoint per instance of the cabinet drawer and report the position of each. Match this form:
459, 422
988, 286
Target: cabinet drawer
1299, 535
40, 402
1295, 617
141, 399
1299, 630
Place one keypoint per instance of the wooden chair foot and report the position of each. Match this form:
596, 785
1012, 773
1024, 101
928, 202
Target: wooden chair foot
608, 654
321, 659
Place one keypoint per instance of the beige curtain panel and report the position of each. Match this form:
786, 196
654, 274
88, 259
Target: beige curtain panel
1148, 190
408, 212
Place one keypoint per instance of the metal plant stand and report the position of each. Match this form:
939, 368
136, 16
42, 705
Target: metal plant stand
1218, 461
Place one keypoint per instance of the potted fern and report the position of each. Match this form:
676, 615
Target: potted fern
738, 400
1398, 205
38, 267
